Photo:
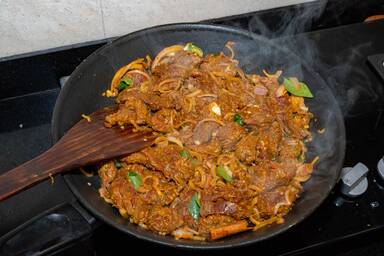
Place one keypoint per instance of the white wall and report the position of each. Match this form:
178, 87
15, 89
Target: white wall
31, 25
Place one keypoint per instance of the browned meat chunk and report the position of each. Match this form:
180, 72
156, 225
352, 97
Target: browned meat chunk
257, 116
136, 158
230, 152
107, 173
290, 148
164, 220
229, 135
133, 110
202, 81
246, 149
168, 161
212, 147
163, 120
269, 176
220, 64
229, 102
168, 101
176, 66
269, 203
203, 132
219, 207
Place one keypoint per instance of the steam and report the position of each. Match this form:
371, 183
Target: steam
290, 22
295, 22
289, 33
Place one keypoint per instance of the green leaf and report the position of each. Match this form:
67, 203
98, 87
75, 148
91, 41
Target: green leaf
297, 88
237, 119
224, 172
125, 83
195, 162
194, 207
134, 179
184, 154
301, 158
117, 164
189, 47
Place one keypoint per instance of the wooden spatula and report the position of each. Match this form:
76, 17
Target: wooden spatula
85, 143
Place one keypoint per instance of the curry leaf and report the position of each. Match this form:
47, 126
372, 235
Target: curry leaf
194, 207
125, 83
134, 179
224, 172
189, 47
118, 164
195, 162
301, 158
238, 119
297, 88
184, 154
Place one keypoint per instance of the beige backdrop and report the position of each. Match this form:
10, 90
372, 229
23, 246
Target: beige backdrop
31, 25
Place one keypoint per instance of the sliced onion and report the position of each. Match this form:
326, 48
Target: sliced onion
275, 75
210, 120
165, 52
175, 140
137, 64
260, 90
280, 91
193, 94
229, 46
207, 95
143, 73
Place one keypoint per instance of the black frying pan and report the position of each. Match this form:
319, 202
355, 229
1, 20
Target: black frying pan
82, 94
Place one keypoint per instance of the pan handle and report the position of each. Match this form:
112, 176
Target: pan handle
49, 232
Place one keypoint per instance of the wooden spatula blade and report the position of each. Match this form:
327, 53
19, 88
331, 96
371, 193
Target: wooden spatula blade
85, 143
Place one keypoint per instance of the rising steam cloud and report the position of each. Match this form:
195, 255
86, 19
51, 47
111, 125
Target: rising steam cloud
289, 31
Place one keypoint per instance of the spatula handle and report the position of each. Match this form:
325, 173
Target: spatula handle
30, 173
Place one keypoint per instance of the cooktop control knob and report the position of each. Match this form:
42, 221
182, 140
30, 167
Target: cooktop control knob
354, 181
380, 167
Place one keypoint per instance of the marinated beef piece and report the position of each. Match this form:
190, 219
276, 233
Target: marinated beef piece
229, 135
163, 219
168, 101
230, 155
246, 149
176, 66
132, 111
202, 81
163, 120
204, 131
169, 161
221, 64
270, 203
291, 148
268, 176
218, 207
136, 158
107, 173
256, 115
213, 147
230, 102
137, 76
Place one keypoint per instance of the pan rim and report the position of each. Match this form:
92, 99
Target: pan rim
179, 243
